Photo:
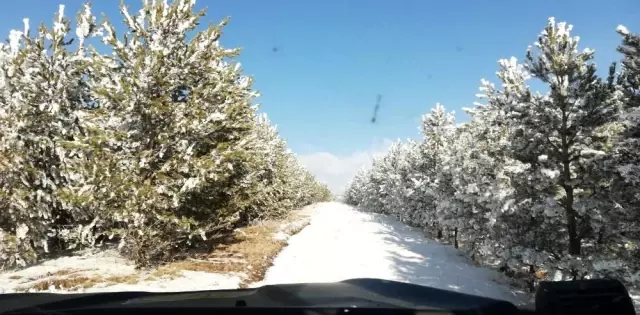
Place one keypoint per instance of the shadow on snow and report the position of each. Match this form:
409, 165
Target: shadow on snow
418, 260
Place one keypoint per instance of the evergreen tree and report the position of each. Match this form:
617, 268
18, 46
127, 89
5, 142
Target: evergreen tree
42, 105
624, 164
561, 127
177, 124
537, 183
439, 132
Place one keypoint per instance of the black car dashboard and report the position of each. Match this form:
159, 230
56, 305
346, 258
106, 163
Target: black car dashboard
350, 297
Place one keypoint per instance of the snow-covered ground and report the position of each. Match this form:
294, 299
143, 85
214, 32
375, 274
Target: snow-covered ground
340, 243
113, 272
105, 270
344, 243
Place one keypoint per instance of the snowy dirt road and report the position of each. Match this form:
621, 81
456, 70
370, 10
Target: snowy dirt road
339, 243
344, 243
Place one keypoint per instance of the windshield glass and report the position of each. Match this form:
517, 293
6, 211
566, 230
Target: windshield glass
191, 145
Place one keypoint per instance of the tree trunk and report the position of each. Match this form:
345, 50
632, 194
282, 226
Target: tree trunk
572, 226
531, 280
574, 239
455, 237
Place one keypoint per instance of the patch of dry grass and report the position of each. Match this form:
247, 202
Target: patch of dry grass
69, 283
72, 282
164, 272
57, 273
65, 272
249, 250
128, 279
259, 248
15, 277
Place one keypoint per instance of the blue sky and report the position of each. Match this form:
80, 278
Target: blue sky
335, 56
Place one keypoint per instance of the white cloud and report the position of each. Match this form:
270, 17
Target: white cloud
336, 170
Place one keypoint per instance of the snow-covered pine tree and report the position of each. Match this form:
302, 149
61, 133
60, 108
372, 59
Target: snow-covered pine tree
628, 148
460, 209
396, 186
438, 130
630, 76
258, 193
555, 134
407, 206
155, 142
624, 163
382, 188
354, 191
504, 231
309, 189
372, 199
480, 188
172, 136
281, 184
531, 181
42, 100
376, 196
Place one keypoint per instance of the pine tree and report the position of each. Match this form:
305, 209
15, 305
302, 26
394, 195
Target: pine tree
561, 125
624, 164
628, 148
505, 229
354, 190
173, 130
154, 143
43, 101
630, 76
536, 183
438, 131
281, 184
